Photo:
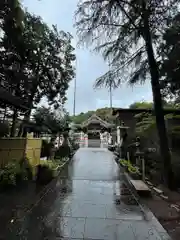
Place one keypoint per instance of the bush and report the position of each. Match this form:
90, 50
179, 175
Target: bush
4, 129
124, 162
52, 165
62, 152
131, 169
26, 169
47, 170
14, 173
74, 145
44, 174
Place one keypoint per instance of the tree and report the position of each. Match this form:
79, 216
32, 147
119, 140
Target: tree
150, 105
37, 63
103, 113
11, 10
126, 32
11, 25
80, 118
143, 105
109, 83
47, 117
49, 63
169, 51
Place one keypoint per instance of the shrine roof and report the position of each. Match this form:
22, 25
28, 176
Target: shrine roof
94, 119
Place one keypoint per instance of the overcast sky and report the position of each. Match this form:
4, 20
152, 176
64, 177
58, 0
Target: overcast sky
89, 66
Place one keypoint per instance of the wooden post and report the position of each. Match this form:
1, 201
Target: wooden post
143, 168
128, 157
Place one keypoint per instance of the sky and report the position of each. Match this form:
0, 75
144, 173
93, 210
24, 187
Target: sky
90, 66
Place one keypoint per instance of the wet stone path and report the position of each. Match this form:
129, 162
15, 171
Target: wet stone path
81, 204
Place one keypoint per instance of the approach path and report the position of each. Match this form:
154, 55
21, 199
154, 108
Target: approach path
81, 205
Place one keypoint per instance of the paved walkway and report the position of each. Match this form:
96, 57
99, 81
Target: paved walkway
82, 205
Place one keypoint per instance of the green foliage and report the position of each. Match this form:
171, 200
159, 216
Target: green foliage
119, 30
4, 129
44, 174
36, 62
14, 173
48, 169
54, 121
80, 118
12, 11
176, 130
149, 105
73, 145
141, 105
52, 165
126, 33
63, 151
169, 52
103, 113
124, 162
9, 172
131, 169
145, 123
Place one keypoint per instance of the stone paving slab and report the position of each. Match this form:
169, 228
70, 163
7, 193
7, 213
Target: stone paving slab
88, 209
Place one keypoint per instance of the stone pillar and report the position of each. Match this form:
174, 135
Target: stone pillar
118, 135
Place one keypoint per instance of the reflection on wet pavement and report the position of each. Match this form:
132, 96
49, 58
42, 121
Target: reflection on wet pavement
81, 205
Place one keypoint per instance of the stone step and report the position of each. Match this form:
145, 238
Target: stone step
140, 186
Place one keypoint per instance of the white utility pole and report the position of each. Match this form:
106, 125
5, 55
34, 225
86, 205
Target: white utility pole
75, 78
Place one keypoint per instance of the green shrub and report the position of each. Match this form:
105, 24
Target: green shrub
63, 151
124, 162
130, 167
26, 169
52, 165
4, 128
44, 174
74, 144
14, 173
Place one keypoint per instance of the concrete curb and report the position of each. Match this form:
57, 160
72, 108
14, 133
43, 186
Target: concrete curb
147, 213
47, 188
158, 191
131, 188
63, 165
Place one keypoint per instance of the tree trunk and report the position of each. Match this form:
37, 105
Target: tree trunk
13, 127
110, 96
23, 131
158, 106
26, 119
